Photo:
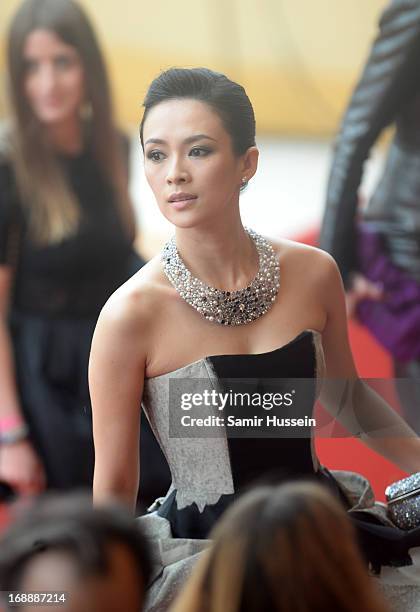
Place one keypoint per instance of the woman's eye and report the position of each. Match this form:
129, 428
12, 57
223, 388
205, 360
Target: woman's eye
155, 156
199, 152
63, 62
30, 66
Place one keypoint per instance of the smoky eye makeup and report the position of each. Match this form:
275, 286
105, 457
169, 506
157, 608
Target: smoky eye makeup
194, 151
60, 62
64, 61
30, 66
155, 155
200, 151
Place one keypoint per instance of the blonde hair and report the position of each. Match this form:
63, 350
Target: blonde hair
289, 548
52, 207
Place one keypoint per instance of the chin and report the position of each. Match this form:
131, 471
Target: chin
53, 117
182, 223
184, 219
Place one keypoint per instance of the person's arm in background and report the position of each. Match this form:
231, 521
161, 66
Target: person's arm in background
390, 77
136, 260
20, 467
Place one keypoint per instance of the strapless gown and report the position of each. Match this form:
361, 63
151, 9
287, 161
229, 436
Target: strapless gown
208, 473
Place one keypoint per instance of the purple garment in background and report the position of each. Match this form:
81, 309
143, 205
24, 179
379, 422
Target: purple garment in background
395, 320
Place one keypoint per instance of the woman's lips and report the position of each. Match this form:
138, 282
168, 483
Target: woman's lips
181, 200
52, 102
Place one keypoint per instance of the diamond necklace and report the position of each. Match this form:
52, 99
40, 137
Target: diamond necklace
227, 307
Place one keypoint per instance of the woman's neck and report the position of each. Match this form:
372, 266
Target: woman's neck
66, 137
223, 256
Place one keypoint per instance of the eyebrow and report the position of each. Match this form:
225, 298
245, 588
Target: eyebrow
188, 140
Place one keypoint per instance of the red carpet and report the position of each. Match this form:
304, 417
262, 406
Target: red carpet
3, 515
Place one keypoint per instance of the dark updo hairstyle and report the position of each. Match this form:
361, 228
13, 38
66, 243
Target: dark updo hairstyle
227, 98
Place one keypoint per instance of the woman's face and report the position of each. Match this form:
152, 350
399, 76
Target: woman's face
54, 78
189, 162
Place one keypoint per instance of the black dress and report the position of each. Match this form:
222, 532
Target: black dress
58, 292
212, 466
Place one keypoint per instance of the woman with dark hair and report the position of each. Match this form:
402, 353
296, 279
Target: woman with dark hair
66, 233
210, 319
91, 558
276, 549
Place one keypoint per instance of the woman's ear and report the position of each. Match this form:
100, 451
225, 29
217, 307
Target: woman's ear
249, 163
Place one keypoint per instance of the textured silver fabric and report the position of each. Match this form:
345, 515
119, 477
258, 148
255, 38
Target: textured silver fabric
401, 587
400, 598
173, 560
403, 499
200, 467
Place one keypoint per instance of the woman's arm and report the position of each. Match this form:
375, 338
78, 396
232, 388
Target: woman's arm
19, 465
116, 376
360, 409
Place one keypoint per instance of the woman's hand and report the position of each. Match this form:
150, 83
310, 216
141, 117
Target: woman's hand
361, 289
21, 468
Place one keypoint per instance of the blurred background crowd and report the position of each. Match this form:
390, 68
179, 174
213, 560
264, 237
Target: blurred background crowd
296, 68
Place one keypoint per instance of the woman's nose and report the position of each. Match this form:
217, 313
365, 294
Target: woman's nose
177, 174
47, 78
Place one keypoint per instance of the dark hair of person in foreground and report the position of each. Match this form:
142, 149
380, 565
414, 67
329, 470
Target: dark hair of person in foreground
97, 555
287, 548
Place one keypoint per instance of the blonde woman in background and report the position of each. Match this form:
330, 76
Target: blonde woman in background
66, 233
289, 548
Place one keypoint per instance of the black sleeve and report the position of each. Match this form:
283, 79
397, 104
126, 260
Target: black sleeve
390, 77
6, 210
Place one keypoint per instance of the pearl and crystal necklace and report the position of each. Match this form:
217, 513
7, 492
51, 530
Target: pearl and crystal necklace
227, 307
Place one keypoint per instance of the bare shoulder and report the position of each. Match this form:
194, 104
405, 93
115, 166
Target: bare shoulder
134, 307
309, 262
290, 249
